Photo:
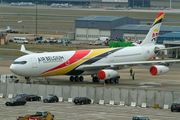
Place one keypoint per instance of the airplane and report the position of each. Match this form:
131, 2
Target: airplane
101, 64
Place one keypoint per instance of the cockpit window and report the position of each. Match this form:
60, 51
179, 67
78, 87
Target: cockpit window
20, 62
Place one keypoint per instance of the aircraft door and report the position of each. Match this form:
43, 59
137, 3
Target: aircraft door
34, 64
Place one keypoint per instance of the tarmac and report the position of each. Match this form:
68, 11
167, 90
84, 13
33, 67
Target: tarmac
143, 79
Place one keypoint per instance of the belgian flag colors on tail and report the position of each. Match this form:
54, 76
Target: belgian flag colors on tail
152, 35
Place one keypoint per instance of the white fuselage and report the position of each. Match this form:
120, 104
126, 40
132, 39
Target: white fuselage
64, 63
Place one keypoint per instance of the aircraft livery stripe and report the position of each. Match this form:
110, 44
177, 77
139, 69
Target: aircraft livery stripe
69, 67
91, 61
159, 18
78, 55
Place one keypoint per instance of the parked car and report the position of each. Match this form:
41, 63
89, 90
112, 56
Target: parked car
15, 101
21, 95
33, 97
140, 118
82, 100
51, 98
175, 107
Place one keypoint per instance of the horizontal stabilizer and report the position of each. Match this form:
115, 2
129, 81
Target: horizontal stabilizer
24, 50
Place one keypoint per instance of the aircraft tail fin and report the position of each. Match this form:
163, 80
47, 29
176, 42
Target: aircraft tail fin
152, 35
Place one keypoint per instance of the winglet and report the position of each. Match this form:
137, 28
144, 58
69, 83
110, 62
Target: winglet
23, 49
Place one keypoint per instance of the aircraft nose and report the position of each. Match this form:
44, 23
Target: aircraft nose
12, 68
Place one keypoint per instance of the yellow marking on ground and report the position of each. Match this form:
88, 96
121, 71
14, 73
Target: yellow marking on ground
1, 58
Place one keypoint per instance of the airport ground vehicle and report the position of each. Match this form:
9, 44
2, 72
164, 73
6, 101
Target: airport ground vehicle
33, 97
140, 118
175, 107
9, 30
51, 98
9, 78
82, 100
16, 101
97, 42
20, 40
40, 115
21, 95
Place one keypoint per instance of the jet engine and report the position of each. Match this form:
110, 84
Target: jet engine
107, 74
158, 69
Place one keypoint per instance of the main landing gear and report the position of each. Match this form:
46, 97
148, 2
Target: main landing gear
76, 78
95, 79
112, 80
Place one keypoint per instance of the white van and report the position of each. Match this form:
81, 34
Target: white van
20, 40
103, 39
10, 78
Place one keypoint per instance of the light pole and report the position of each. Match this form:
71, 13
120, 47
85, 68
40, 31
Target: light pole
36, 18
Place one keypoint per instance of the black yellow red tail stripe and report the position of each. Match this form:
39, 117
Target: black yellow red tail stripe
159, 18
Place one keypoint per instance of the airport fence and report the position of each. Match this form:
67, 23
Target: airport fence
127, 96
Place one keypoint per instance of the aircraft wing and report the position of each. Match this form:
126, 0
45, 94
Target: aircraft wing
122, 64
24, 50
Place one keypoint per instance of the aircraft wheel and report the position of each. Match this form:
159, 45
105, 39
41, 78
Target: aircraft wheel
97, 80
76, 78
116, 80
81, 78
111, 80
106, 81
94, 79
71, 78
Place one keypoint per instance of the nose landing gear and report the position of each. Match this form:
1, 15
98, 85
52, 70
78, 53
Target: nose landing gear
28, 80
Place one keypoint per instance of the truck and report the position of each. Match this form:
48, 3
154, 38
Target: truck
9, 30
40, 115
9, 78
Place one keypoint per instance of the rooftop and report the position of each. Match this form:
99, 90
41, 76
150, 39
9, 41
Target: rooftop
100, 18
147, 27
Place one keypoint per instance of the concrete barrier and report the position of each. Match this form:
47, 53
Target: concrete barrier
42, 90
10, 88
168, 98
124, 96
82, 91
18, 88
74, 92
141, 97
116, 93
107, 96
66, 92
150, 98
99, 95
3, 89
26, 88
91, 93
132, 96
58, 90
176, 97
35, 89
50, 89
159, 99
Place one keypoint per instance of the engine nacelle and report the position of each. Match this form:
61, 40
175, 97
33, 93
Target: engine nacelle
158, 69
107, 74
